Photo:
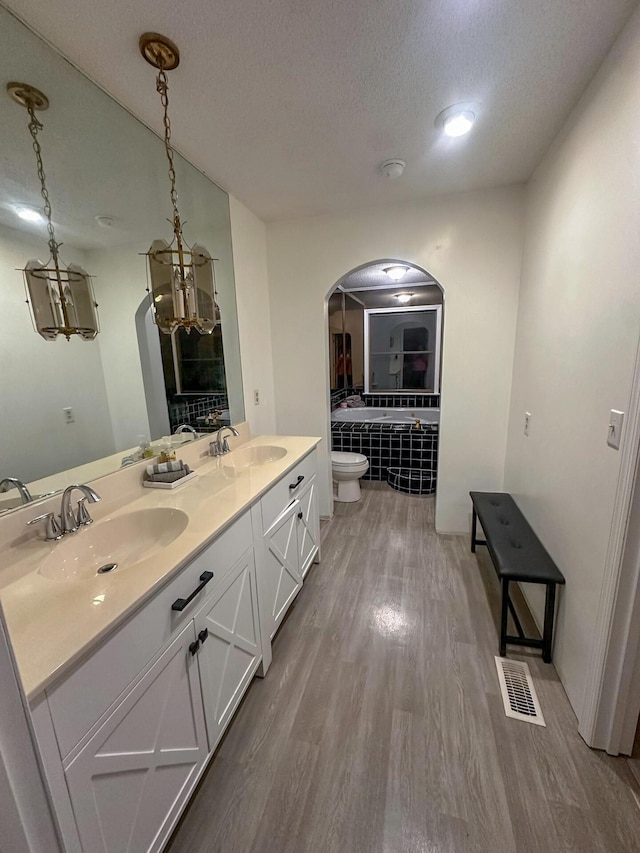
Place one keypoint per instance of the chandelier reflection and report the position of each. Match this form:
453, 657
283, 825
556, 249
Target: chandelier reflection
182, 279
60, 297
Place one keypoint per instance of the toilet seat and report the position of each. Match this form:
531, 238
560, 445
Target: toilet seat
345, 461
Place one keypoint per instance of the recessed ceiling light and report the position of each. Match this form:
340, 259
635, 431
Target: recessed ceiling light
28, 212
397, 272
459, 124
403, 298
457, 120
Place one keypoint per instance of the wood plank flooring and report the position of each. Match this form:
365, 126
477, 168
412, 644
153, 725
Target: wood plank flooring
380, 729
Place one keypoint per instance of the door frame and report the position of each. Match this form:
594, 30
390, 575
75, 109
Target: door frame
611, 703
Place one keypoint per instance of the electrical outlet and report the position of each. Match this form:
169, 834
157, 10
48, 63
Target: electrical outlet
256, 398
69, 417
527, 422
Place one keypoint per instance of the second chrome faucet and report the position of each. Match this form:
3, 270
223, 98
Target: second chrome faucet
70, 521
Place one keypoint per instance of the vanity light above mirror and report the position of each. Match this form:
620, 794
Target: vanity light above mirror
60, 297
182, 277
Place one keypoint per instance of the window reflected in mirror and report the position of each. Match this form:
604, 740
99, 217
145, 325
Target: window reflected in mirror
402, 349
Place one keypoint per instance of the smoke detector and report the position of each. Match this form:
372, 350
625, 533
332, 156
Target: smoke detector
105, 221
393, 168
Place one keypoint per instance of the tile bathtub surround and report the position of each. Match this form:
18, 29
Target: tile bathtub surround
412, 481
388, 445
402, 401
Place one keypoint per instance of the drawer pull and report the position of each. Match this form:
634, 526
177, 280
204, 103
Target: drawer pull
193, 647
295, 485
203, 636
300, 515
180, 603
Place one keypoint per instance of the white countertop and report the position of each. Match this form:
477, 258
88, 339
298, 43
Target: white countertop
53, 623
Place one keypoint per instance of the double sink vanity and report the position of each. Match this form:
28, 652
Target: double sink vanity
132, 674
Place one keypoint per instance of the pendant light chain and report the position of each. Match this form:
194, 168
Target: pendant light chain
162, 87
34, 127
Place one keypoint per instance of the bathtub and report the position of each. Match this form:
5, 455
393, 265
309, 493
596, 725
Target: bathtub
373, 415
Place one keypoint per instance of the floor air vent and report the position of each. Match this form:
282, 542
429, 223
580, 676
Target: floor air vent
518, 693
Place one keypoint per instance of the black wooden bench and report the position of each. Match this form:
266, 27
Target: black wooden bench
517, 555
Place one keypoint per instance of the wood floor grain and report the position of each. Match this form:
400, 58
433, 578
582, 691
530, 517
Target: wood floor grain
379, 727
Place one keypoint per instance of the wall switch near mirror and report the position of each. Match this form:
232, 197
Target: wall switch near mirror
101, 163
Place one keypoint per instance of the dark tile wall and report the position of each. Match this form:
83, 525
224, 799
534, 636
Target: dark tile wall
186, 410
400, 401
390, 401
385, 445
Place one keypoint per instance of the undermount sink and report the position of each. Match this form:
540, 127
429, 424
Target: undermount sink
113, 544
240, 460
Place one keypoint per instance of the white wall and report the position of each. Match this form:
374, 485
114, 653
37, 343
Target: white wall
577, 336
252, 297
472, 244
40, 378
120, 285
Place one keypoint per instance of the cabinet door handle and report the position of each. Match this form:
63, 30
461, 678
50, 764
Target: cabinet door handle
300, 515
180, 603
193, 647
203, 636
295, 485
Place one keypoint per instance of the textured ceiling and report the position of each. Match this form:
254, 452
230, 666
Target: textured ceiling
292, 105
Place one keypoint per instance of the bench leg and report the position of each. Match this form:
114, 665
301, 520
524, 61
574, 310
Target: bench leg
549, 613
503, 618
474, 523
516, 621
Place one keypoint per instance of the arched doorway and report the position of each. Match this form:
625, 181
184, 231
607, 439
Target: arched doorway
385, 324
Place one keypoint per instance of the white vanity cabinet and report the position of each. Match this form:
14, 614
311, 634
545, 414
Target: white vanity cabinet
290, 541
230, 652
308, 531
126, 734
129, 781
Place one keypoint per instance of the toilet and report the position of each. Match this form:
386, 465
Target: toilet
346, 470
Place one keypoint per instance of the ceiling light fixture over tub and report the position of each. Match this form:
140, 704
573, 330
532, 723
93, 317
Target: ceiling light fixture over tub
457, 120
396, 272
404, 298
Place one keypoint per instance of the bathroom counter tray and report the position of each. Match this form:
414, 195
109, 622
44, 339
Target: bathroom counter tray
149, 484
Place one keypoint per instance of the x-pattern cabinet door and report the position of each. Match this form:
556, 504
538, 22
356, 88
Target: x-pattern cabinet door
308, 526
130, 781
230, 652
281, 571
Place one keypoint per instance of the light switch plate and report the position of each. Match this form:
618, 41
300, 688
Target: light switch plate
616, 419
527, 422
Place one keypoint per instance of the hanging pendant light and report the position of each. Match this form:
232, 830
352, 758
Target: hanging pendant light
182, 278
60, 297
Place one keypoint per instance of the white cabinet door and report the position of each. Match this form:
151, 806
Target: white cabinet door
308, 526
230, 649
281, 579
130, 781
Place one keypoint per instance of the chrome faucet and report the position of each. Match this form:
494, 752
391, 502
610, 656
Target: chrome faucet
221, 446
25, 494
70, 521
185, 428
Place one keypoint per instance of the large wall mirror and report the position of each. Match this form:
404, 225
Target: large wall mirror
69, 403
